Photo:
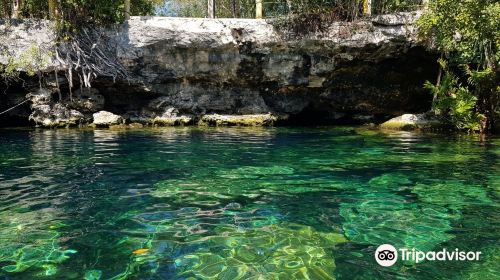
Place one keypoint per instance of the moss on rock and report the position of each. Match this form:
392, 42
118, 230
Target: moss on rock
172, 121
238, 120
413, 122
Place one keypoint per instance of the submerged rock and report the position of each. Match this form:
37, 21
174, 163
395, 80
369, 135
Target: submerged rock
32, 240
405, 224
413, 121
123, 126
239, 120
118, 126
283, 251
136, 125
104, 119
171, 117
173, 121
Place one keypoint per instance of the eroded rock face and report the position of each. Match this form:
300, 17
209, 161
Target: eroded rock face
170, 116
46, 113
28, 38
88, 100
373, 69
184, 69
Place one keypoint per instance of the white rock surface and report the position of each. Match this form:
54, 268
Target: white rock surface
20, 38
412, 121
197, 67
104, 118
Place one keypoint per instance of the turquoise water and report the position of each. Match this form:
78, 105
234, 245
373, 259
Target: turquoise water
280, 203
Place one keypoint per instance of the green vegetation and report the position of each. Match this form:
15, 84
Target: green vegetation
33, 60
468, 35
456, 102
76, 11
344, 9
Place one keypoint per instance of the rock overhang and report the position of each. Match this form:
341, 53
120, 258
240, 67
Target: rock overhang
373, 67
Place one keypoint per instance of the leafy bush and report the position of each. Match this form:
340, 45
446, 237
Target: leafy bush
343, 9
78, 11
32, 60
455, 103
468, 35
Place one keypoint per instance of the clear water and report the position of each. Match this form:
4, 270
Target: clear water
188, 203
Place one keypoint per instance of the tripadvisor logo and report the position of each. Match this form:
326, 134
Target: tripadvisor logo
387, 255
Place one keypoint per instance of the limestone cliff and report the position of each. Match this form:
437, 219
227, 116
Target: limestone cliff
189, 70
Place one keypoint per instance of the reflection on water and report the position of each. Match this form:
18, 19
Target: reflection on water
189, 203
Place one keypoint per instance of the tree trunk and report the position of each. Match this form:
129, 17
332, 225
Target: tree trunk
127, 9
6, 9
439, 78
425, 3
258, 9
290, 6
16, 8
235, 7
211, 9
367, 7
52, 9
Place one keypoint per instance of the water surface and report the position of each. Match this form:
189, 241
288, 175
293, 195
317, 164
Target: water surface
280, 203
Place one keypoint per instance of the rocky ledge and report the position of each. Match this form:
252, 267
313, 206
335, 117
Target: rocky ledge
228, 72
426, 121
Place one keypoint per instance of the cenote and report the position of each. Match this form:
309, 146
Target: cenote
235, 203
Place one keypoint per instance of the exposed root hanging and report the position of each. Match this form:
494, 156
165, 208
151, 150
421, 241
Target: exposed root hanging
89, 54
